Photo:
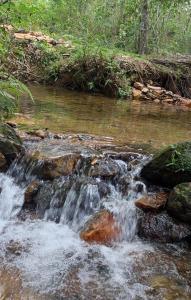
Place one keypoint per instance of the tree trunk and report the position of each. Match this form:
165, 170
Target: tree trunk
144, 28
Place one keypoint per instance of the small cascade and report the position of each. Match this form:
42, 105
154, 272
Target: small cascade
79, 205
11, 199
47, 251
73, 199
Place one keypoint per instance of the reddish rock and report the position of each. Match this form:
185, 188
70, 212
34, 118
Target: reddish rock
152, 203
101, 228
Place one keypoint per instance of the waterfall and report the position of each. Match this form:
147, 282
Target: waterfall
11, 199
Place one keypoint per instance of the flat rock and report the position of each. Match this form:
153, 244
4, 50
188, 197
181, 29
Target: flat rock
152, 203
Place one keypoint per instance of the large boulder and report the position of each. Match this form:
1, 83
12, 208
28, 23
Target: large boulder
162, 228
101, 228
179, 202
171, 167
10, 142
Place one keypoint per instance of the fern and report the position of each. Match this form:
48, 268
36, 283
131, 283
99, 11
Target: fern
11, 91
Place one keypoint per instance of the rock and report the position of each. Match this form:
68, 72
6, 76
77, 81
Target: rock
136, 94
163, 228
39, 133
53, 167
3, 162
12, 124
168, 100
10, 142
157, 101
179, 202
154, 88
43, 198
101, 229
145, 90
104, 168
30, 192
138, 86
152, 203
170, 167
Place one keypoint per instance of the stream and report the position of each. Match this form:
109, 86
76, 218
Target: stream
44, 258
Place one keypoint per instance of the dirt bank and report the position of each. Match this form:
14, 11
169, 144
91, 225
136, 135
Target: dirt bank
37, 57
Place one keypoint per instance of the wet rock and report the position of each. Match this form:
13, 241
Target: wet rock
123, 183
104, 189
171, 167
126, 156
3, 162
43, 198
161, 227
101, 228
179, 202
30, 192
153, 202
40, 133
51, 168
50, 198
10, 142
104, 168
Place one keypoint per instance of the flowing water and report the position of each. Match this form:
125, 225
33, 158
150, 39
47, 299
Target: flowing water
44, 259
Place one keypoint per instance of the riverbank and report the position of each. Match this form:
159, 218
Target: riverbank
34, 57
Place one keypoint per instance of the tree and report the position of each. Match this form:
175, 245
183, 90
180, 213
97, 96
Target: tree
144, 28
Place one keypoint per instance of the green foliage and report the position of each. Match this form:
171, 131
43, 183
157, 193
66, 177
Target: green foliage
113, 24
180, 158
10, 92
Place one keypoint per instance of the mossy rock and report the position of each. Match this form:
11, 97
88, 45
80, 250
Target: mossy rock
179, 202
171, 167
10, 142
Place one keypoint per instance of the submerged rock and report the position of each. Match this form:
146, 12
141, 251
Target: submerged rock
171, 167
152, 203
179, 202
101, 228
162, 228
10, 142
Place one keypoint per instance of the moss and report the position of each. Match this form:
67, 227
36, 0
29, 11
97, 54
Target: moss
172, 166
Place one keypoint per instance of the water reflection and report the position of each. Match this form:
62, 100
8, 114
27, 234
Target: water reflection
66, 111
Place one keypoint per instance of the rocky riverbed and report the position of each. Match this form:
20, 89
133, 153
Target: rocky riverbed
72, 205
